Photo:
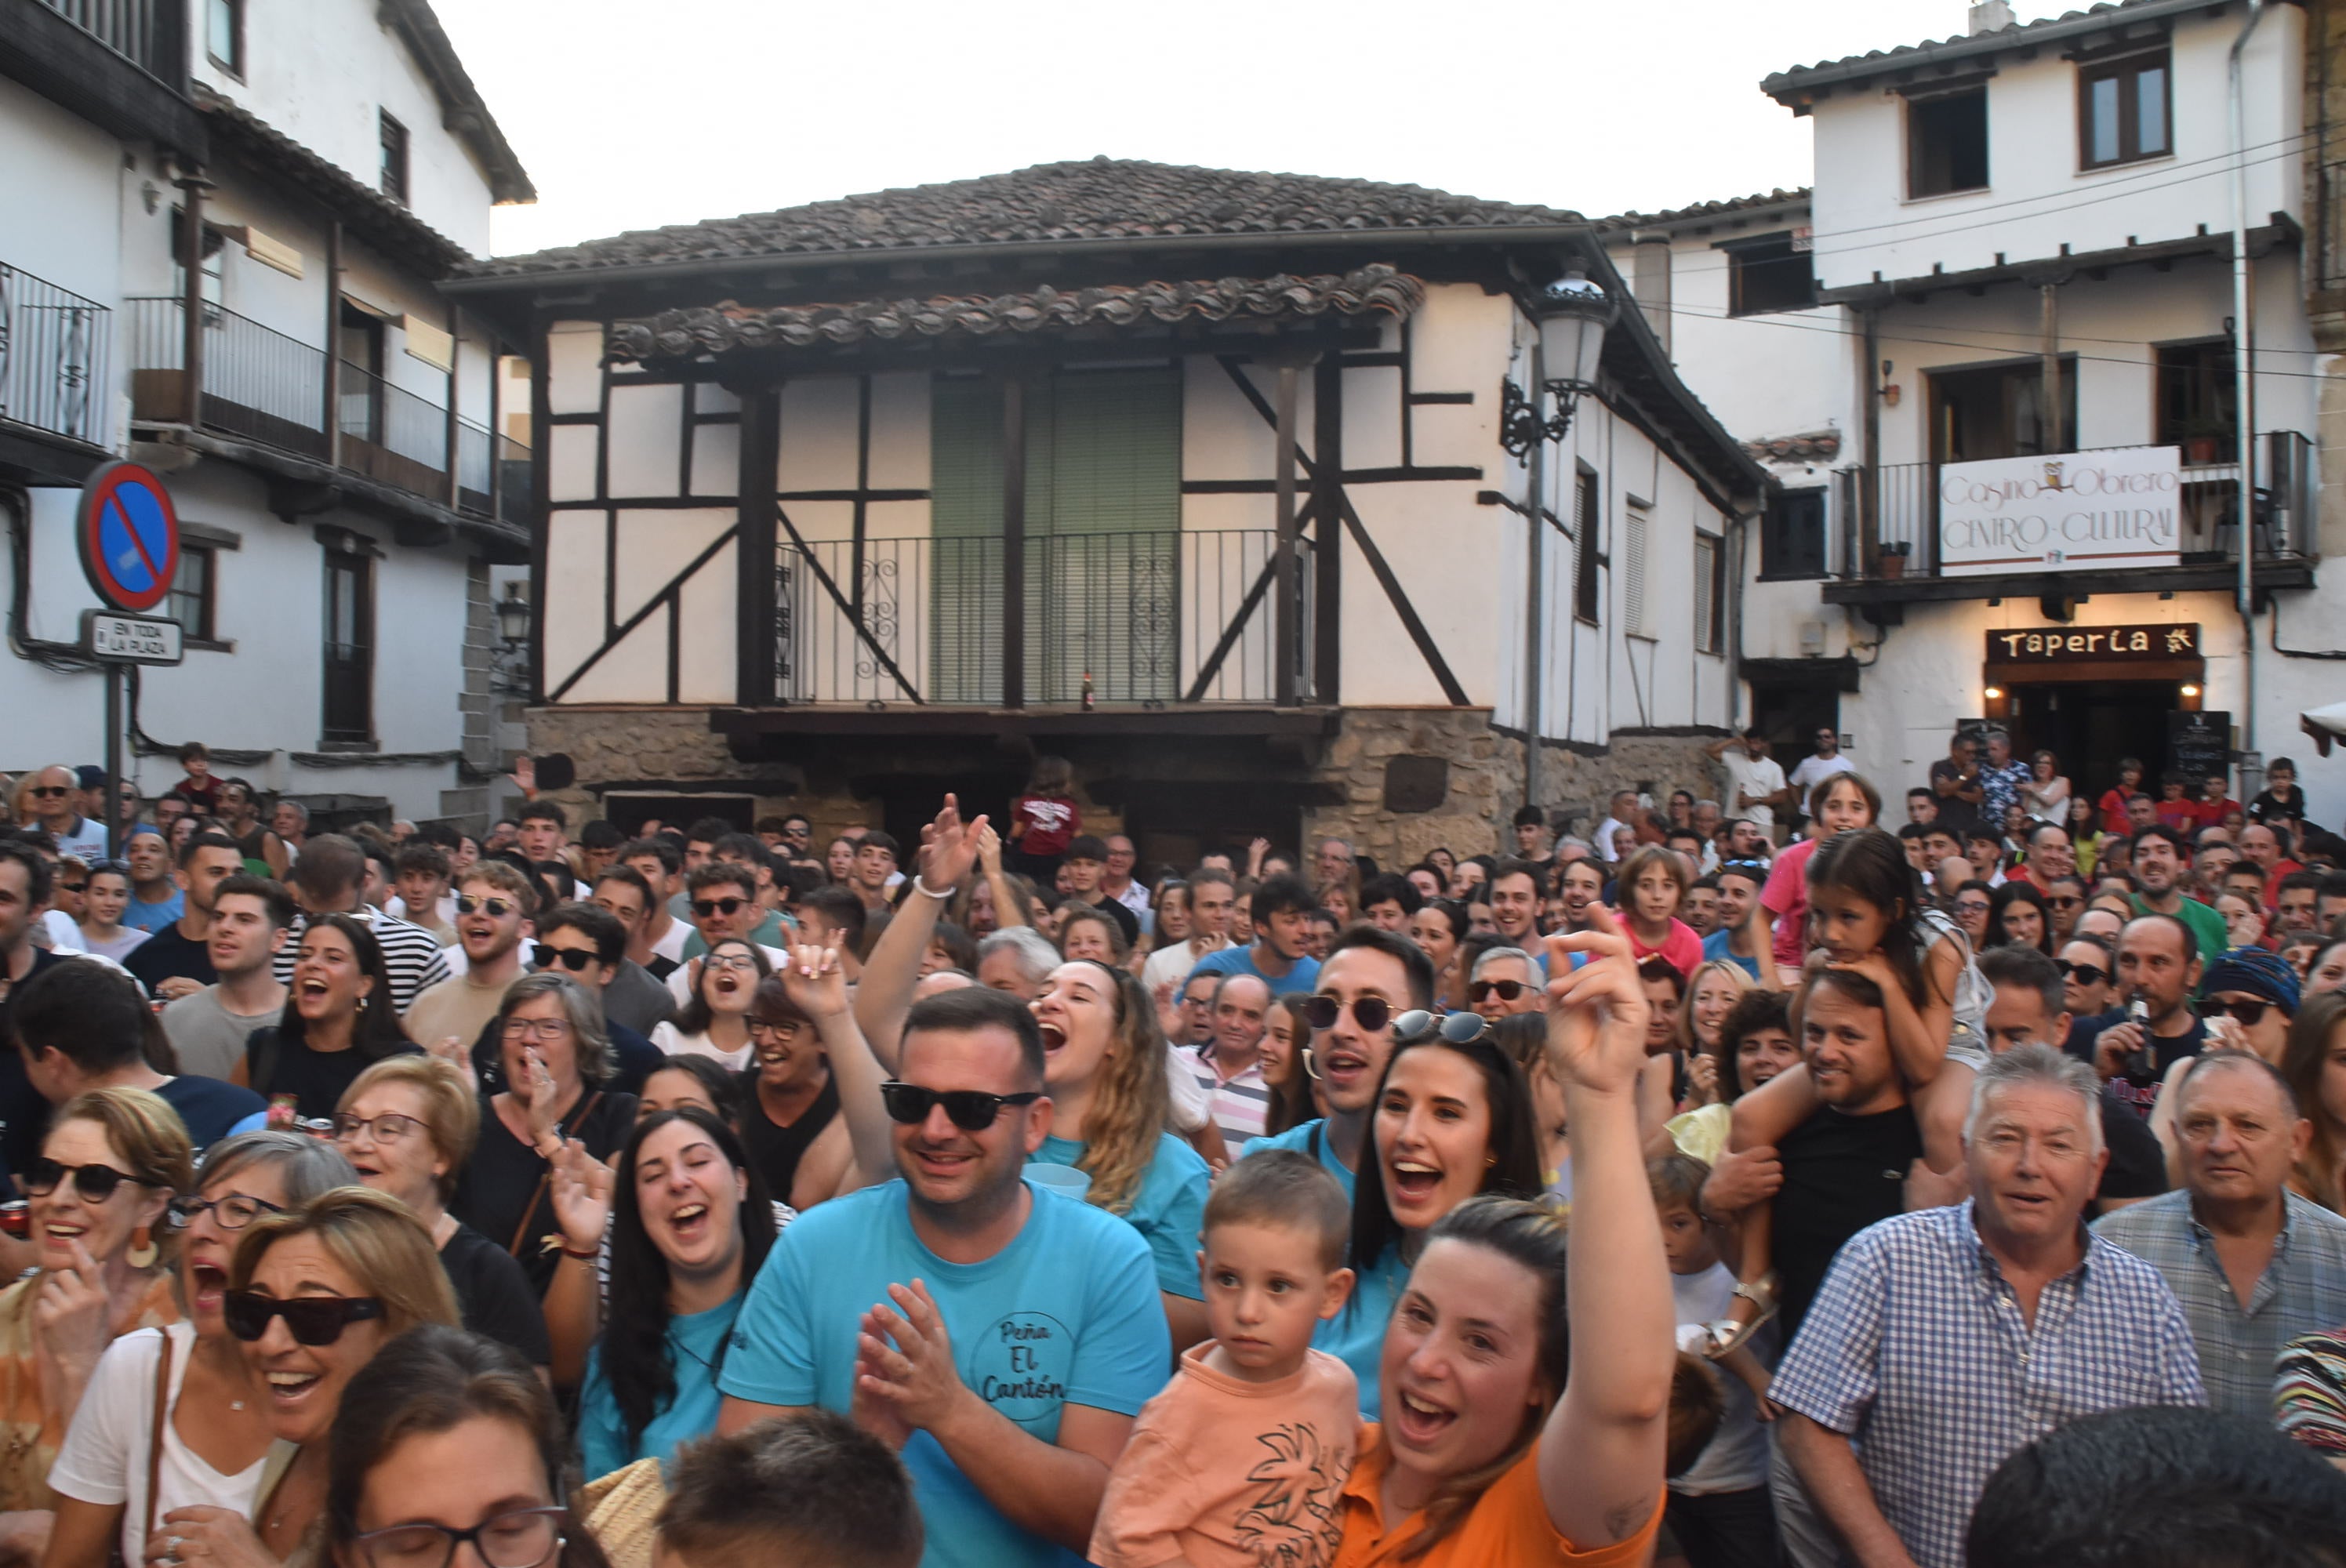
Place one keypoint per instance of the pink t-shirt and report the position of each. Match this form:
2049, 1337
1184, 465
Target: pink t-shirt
1681, 947
1786, 896
1232, 1474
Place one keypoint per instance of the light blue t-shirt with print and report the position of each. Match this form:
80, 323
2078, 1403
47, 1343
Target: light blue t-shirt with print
1301, 975
1312, 1137
693, 1343
1168, 1211
1356, 1336
1067, 1313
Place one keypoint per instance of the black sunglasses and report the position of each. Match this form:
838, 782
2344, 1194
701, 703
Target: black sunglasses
574, 958
971, 1110
1371, 1012
311, 1319
704, 907
48, 789
2247, 1012
1508, 990
2083, 974
94, 1183
498, 908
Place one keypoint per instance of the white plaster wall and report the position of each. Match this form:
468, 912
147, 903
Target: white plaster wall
2038, 199
320, 71
60, 181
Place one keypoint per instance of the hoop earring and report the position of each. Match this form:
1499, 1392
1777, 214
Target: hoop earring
142, 1251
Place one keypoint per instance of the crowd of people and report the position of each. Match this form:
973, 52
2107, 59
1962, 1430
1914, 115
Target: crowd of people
1736, 1184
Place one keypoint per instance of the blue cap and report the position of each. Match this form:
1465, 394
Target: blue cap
2256, 972
90, 778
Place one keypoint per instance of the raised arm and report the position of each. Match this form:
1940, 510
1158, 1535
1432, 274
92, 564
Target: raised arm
884, 994
1009, 904
1601, 1455
813, 978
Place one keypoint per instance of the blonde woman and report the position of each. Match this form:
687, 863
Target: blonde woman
111, 1164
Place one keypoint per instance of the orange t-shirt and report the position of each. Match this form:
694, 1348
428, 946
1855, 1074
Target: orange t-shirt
1510, 1525
1226, 1473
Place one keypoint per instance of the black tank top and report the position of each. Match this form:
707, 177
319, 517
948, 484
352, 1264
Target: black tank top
776, 1150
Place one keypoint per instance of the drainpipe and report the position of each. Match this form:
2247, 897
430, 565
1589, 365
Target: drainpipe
1534, 605
2243, 352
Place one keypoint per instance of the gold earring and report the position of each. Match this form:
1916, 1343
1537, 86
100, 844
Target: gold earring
142, 1251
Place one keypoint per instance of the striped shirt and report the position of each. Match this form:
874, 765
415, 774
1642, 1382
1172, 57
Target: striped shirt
2302, 1290
1916, 1350
2309, 1393
410, 954
1241, 1101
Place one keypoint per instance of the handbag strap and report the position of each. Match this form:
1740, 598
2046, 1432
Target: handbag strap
155, 1443
545, 1178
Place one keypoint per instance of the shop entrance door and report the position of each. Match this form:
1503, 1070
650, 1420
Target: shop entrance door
2090, 725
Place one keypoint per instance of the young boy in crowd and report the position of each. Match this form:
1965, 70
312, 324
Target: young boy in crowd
1240, 1461
423, 872
199, 789
1719, 1510
814, 1492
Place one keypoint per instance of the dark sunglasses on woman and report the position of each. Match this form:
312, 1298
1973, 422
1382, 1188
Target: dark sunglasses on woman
94, 1182
310, 1319
2248, 1012
971, 1110
2083, 974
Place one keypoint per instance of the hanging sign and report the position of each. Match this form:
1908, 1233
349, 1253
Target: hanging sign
2079, 512
2063, 645
129, 536
131, 639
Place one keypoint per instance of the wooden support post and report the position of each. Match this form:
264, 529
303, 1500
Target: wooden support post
1014, 540
755, 555
192, 186
2049, 297
1289, 609
1327, 526
455, 347
333, 412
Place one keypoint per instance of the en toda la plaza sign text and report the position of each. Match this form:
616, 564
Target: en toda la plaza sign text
2073, 513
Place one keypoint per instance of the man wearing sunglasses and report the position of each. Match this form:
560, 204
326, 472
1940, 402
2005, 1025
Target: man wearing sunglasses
996, 1310
81, 1026
492, 921
1370, 978
722, 896
1282, 913
1504, 983
57, 807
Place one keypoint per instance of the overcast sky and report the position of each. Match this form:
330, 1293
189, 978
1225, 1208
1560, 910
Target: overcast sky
629, 114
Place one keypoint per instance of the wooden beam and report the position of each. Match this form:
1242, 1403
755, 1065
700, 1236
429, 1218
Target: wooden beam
667, 596
1229, 638
1014, 540
1451, 690
1327, 501
1284, 564
757, 553
855, 614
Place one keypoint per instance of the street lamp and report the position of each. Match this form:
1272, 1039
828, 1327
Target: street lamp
513, 616
1574, 315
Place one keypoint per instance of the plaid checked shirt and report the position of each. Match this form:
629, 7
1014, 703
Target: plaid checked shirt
2304, 1291
1917, 1350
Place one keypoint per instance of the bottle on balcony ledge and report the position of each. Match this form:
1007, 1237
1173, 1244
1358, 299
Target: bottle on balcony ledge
1089, 701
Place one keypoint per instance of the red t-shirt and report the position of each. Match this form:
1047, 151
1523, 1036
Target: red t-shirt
2113, 812
1052, 823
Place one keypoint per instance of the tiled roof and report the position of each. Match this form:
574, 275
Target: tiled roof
1811, 446
1825, 73
713, 330
1776, 198
1099, 199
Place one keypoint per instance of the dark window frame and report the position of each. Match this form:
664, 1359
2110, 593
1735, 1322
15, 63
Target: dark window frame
1588, 534
201, 626
1767, 263
355, 724
394, 172
2127, 69
233, 61
1791, 551
2193, 383
1921, 113
1710, 629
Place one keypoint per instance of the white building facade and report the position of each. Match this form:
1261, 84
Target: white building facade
2019, 248
328, 429
989, 469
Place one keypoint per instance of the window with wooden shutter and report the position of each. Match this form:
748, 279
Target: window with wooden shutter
1588, 511
1636, 528
1710, 595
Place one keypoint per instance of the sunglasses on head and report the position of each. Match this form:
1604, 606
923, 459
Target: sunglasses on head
971, 1110
704, 907
1371, 1012
2083, 973
310, 1319
574, 958
94, 1182
1507, 990
2246, 1011
498, 908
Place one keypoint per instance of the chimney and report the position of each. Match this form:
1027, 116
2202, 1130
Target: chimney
1649, 279
1989, 17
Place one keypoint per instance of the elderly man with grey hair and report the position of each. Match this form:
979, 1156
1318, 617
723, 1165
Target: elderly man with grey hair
1504, 982
1016, 958
1945, 1339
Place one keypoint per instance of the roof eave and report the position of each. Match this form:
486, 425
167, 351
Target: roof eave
463, 111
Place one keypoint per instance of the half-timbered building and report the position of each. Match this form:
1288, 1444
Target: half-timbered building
1200, 479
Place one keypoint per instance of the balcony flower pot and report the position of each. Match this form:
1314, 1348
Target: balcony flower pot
2198, 451
1894, 566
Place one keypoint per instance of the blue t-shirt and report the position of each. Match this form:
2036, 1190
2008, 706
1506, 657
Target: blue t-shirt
211, 1110
1301, 1140
1067, 1314
1356, 1336
1714, 946
1302, 975
693, 1343
1168, 1210
146, 917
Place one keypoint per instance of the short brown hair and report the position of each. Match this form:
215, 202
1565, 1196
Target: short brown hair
377, 1239
1283, 1187
452, 1108
143, 1129
815, 1490
1677, 1181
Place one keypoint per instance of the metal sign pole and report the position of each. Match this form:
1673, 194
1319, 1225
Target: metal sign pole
113, 807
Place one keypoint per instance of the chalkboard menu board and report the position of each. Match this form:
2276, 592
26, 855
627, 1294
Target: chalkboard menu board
2198, 746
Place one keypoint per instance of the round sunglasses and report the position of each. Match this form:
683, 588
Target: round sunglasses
1371, 1012
94, 1183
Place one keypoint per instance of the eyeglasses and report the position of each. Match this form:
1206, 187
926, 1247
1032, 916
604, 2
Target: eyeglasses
94, 1182
310, 1319
703, 909
574, 958
519, 1538
546, 1029
971, 1110
233, 1212
388, 1128
1971, 906
2247, 1012
1371, 1012
498, 908
1507, 990
737, 960
2083, 974
775, 1025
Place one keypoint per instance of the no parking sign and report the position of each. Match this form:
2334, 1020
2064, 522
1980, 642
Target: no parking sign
129, 536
